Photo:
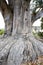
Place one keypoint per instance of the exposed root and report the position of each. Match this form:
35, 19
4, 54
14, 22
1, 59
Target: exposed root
23, 50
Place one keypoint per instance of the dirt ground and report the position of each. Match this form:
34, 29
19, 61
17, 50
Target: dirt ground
39, 61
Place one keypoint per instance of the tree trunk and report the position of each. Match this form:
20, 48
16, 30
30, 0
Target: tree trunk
17, 17
22, 19
8, 23
23, 49
8, 18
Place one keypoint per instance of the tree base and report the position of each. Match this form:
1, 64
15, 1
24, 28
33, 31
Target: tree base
20, 50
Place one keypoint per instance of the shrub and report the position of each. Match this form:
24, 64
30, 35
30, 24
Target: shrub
1, 31
40, 34
42, 23
42, 19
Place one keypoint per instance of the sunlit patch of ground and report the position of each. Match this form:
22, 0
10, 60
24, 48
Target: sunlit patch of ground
39, 61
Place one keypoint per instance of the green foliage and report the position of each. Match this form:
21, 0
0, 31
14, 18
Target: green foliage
42, 23
34, 12
39, 3
40, 34
36, 35
1, 31
42, 19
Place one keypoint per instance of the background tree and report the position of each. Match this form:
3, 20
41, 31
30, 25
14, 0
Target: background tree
38, 4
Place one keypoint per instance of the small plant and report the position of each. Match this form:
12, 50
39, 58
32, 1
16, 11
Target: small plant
40, 34
1, 31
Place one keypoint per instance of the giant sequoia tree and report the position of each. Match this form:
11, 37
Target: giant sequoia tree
22, 48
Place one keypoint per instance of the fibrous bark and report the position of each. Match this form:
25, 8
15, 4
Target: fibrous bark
22, 48
8, 17
21, 19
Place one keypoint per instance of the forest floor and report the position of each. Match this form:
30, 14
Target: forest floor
37, 62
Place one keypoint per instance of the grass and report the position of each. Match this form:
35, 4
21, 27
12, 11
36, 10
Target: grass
1, 31
36, 35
